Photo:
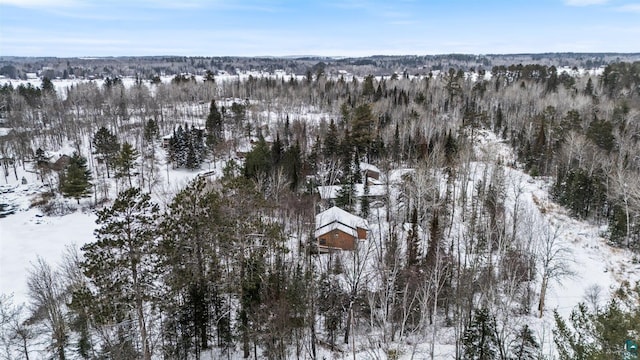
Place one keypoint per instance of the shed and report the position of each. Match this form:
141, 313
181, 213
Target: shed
339, 229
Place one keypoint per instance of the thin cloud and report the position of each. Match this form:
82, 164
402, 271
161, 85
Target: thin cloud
176, 5
42, 3
202, 4
629, 8
585, 2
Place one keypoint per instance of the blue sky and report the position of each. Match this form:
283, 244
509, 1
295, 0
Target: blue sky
67, 28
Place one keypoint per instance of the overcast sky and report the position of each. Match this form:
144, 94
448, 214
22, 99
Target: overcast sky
66, 28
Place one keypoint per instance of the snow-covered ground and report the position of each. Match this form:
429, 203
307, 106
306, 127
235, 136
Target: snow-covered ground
28, 234
593, 262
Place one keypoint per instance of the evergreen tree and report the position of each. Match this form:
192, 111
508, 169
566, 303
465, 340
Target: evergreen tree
119, 264
552, 80
588, 89
105, 144
126, 161
214, 125
364, 202
293, 165
258, 161
276, 152
450, 149
332, 301
356, 173
186, 147
287, 131
601, 133
75, 180
435, 251
479, 340
346, 197
151, 130
47, 87
190, 262
600, 334
499, 120
41, 163
314, 156
331, 141
395, 147
251, 282
525, 347
413, 241
361, 128
196, 150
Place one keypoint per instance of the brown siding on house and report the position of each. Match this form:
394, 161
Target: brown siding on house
362, 233
372, 174
337, 239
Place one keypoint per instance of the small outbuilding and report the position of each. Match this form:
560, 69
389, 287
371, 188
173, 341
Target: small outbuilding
339, 229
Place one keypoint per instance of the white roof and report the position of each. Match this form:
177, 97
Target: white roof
336, 218
332, 191
365, 166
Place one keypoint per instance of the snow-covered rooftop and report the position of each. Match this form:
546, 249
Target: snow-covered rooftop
331, 191
337, 218
365, 166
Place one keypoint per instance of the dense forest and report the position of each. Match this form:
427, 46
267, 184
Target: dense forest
228, 265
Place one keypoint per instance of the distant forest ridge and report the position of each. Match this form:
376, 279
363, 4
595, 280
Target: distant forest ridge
17, 67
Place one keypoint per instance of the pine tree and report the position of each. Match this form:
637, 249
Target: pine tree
179, 147
214, 125
75, 180
346, 196
361, 128
479, 340
331, 141
119, 264
413, 252
47, 87
41, 163
126, 161
105, 144
251, 283
258, 161
450, 149
293, 165
196, 150
190, 262
276, 152
499, 120
364, 202
588, 90
525, 347
395, 146
151, 130
435, 251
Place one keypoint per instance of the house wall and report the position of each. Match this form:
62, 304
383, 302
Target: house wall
362, 233
372, 174
337, 239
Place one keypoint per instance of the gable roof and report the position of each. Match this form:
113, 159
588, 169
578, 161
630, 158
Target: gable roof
370, 167
331, 191
336, 218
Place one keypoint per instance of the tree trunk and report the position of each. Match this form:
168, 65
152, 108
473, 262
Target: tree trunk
543, 292
146, 353
348, 327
